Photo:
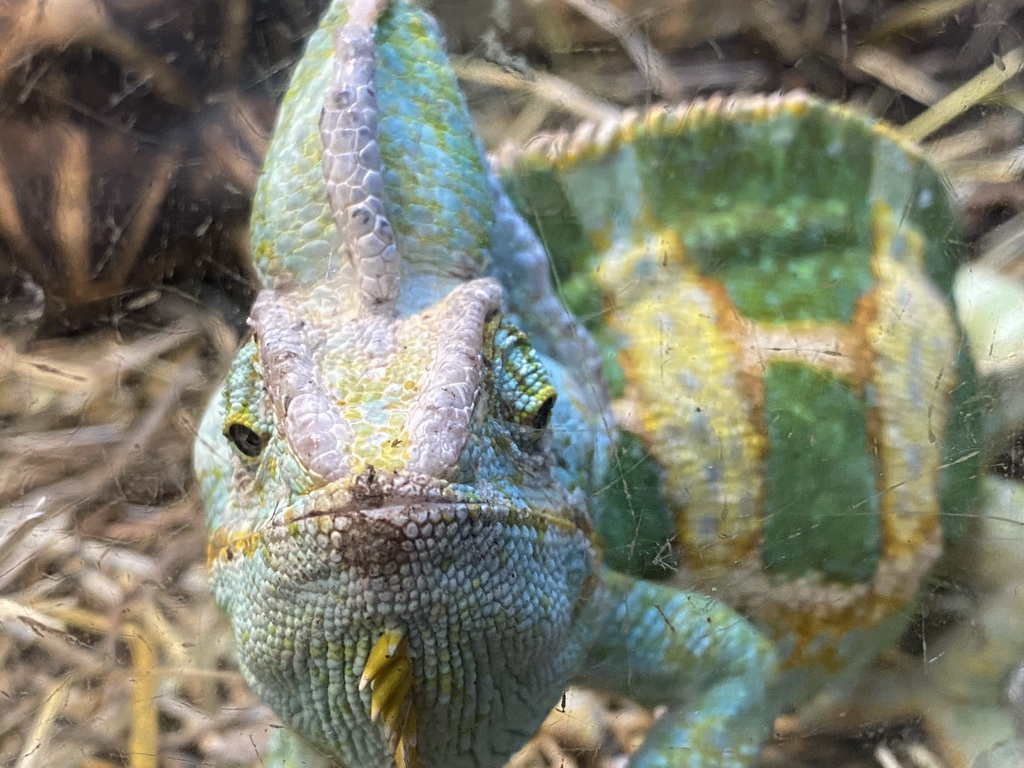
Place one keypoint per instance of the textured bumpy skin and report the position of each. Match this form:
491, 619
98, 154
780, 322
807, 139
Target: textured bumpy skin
397, 470
769, 280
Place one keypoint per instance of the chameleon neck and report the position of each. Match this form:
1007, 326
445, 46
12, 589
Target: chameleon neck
435, 184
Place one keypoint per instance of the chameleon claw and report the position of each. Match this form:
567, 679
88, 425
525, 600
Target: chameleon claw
389, 671
389, 646
405, 752
390, 690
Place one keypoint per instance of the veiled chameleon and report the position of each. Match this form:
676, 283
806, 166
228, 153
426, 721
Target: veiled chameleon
399, 481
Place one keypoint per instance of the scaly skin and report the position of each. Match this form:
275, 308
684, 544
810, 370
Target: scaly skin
397, 502
770, 281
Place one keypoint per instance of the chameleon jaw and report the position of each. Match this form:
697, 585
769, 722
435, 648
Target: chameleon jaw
427, 564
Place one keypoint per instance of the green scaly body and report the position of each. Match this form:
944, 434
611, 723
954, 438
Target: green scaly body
770, 281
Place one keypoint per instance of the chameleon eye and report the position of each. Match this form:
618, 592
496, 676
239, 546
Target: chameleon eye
246, 440
526, 396
542, 415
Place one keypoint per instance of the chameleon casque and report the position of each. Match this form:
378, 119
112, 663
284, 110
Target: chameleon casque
415, 463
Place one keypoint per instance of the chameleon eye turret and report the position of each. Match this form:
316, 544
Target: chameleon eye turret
249, 442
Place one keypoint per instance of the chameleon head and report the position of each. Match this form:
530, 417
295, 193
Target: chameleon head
374, 480
366, 373
450, 397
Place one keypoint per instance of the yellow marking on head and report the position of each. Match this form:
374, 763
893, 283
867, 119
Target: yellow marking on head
390, 689
224, 545
406, 755
542, 522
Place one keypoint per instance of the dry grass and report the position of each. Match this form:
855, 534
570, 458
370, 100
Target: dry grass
112, 652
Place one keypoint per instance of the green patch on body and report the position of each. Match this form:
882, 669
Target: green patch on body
781, 266
796, 184
775, 204
818, 286
631, 516
821, 506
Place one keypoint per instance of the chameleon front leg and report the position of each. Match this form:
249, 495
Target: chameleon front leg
714, 670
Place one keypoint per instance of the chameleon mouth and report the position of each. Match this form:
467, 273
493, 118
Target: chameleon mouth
392, 508
368, 540
400, 509
370, 536
423, 517
372, 495
404, 498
